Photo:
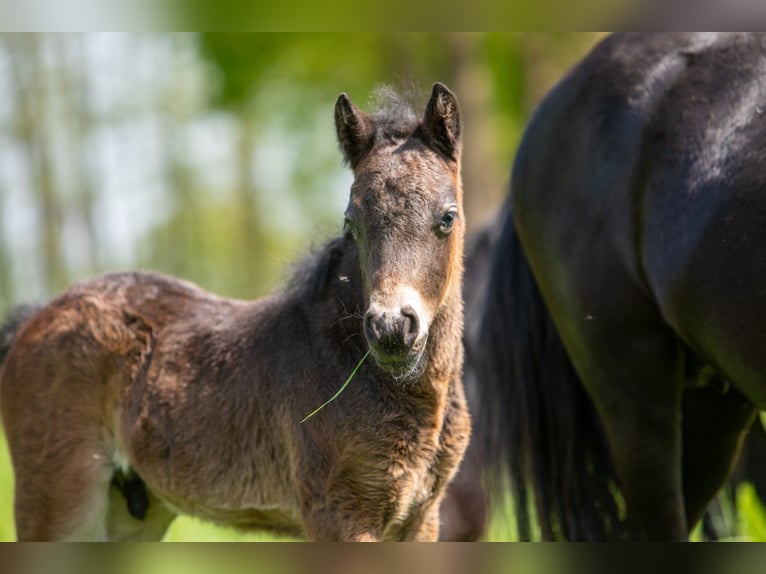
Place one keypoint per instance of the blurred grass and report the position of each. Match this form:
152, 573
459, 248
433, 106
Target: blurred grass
751, 524
744, 515
7, 529
502, 526
189, 529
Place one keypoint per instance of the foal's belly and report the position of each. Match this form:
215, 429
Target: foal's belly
240, 485
273, 520
227, 500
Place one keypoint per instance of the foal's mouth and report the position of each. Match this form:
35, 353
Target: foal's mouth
404, 368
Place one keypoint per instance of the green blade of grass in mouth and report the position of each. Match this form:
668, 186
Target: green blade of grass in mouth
340, 390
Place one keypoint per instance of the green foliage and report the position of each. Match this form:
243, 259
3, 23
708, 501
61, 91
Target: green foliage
201, 243
752, 515
502, 525
7, 529
241, 61
247, 63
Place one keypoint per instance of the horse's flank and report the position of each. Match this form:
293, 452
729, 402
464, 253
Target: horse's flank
626, 283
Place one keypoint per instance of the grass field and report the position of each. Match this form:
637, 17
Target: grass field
745, 517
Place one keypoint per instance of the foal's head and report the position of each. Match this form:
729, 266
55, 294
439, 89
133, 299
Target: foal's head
405, 214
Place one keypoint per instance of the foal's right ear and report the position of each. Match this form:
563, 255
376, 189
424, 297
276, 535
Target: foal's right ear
354, 128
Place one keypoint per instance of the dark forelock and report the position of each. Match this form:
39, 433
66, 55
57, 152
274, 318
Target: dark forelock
394, 116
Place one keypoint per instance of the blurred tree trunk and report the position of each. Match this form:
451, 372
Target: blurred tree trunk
247, 199
483, 179
82, 124
31, 83
7, 292
180, 251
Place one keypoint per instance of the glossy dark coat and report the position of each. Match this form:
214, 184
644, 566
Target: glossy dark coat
623, 321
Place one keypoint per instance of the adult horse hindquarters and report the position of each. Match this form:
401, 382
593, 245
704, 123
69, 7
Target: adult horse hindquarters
133, 397
638, 212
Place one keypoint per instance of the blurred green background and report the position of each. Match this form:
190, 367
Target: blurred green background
213, 156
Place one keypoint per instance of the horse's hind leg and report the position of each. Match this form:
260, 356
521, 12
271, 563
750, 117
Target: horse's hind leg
714, 425
633, 369
637, 391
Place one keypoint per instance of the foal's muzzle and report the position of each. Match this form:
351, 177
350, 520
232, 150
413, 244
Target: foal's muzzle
396, 336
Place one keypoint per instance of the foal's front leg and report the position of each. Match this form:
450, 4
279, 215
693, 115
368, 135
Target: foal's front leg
336, 520
347, 508
428, 529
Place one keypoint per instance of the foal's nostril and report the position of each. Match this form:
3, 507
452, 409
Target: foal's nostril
411, 325
372, 326
392, 333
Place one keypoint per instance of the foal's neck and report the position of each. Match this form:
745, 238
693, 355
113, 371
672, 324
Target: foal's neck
445, 352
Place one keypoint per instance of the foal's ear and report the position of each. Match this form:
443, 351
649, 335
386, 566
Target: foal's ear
354, 128
442, 122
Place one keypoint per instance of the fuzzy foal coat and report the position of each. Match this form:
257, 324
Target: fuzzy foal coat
202, 396
142, 383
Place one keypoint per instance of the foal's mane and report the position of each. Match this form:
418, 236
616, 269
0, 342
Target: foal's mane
12, 324
315, 272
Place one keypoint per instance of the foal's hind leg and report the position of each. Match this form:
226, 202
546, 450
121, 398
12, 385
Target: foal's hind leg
62, 494
79, 500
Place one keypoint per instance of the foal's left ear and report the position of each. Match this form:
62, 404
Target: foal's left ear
442, 122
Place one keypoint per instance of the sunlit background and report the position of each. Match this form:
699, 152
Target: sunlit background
214, 157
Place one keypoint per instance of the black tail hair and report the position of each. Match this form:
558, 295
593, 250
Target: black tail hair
538, 427
13, 323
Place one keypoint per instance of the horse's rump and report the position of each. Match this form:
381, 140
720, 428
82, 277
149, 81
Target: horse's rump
637, 201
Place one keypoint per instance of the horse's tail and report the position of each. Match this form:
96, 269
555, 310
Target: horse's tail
538, 427
18, 316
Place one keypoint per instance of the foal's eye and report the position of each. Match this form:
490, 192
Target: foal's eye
349, 229
447, 220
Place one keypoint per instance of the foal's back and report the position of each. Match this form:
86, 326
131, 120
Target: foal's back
145, 368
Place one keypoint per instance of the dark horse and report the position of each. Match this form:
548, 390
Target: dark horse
621, 346
133, 397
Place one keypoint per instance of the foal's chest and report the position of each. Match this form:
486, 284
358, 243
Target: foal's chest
430, 458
